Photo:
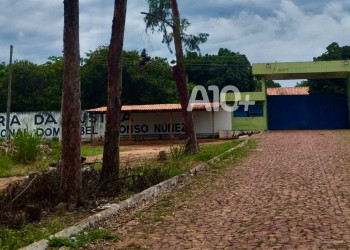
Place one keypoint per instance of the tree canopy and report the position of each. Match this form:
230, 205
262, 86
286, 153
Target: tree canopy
329, 86
225, 68
146, 79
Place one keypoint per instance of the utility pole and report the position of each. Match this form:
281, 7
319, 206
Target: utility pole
8, 135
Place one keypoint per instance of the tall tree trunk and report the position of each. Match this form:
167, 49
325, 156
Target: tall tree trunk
110, 167
181, 83
71, 182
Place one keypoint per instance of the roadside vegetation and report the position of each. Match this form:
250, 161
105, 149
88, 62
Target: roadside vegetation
15, 239
27, 153
81, 239
133, 179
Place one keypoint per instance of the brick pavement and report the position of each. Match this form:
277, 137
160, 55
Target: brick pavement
292, 191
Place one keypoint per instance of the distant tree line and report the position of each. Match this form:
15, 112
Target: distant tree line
146, 80
329, 86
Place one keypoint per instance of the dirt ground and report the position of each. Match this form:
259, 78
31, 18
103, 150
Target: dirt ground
140, 151
4, 182
134, 152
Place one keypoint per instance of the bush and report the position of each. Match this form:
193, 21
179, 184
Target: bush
5, 165
177, 151
27, 146
55, 146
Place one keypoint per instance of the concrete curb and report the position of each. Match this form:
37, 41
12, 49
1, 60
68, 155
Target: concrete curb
135, 200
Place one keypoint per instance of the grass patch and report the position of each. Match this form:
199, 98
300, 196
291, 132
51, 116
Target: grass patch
6, 165
83, 238
87, 150
27, 146
209, 151
234, 156
22, 163
15, 239
180, 165
165, 203
91, 150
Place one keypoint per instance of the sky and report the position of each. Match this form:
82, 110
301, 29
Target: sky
263, 30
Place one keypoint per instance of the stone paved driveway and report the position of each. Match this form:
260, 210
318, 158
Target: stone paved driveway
292, 191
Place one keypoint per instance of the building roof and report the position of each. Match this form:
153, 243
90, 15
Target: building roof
155, 108
288, 91
197, 106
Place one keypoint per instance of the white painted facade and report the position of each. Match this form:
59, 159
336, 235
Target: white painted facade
47, 124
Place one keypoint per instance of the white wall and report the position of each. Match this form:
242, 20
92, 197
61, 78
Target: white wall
47, 124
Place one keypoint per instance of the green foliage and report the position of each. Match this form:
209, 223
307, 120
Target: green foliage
39, 87
272, 84
57, 242
6, 164
30, 154
34, 87
151, 83
334, 52
82, 239
177, 151
179, 165
160, 19
209, 151
55, 146
15, 239
27, 146
91, 150
330, 86
146, 80
225, 68
151, 175
304, 83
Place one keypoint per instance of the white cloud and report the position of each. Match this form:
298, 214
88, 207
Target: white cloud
291, 34
264, 30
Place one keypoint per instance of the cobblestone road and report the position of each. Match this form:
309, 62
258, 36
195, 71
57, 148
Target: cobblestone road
292, 191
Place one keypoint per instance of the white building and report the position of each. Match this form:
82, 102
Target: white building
158, 121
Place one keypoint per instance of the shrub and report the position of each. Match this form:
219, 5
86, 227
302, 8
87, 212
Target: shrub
55, 146
5, 165
27, 146
177, 151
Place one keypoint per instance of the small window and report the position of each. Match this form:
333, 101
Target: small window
253, 111
240, 112
256, 111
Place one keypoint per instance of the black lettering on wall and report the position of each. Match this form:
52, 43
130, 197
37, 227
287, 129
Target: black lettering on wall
15, 121
2, 120
38, 119
56, 132
50, 119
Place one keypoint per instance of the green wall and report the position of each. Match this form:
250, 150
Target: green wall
276, 71
251, 123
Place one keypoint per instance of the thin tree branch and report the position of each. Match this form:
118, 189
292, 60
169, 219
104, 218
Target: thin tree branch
157, 17
30, 183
